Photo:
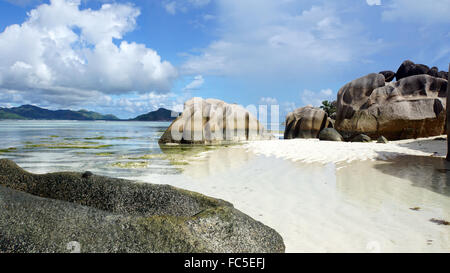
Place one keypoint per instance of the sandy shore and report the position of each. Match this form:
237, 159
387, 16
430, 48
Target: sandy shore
314, 150
363, 206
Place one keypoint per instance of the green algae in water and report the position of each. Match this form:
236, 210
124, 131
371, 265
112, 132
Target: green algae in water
95, 138
131, 165
104, 154
149, 156
9, 150
66, 146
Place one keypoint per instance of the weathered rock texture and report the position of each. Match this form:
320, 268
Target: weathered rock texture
44, 213
330, 134
305, 122
409, 68
388, 75
213, 121
410, 108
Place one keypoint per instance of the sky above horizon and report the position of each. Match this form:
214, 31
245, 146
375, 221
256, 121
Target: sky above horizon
130, 57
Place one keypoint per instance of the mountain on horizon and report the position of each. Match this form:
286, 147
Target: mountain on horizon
34, 112
161, 114
25, 112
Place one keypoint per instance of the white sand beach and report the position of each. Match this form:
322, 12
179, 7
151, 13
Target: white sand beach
323, 203
314, 150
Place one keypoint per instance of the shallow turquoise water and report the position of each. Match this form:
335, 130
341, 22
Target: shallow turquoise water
104, 146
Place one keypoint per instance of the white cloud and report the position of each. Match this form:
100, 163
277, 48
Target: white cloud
195, 84
174, 6
171, 7
373, 2
64, 55
263, 37
418, 11
309, 97
268, 101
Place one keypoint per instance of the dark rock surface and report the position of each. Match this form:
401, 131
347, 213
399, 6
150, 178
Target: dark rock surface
361, 138
443, 75
388, 75
330, 134
408, 68
44, 213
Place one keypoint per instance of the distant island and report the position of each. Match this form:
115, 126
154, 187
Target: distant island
161, 114
27, 112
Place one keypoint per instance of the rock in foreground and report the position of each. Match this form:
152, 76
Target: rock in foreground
305, 122
48, 213
330, 134
409, 108
213, 121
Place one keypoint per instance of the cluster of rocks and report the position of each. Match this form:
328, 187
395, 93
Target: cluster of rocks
55, 212
374, 106
409, 68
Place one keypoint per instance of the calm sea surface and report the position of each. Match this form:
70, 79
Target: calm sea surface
108, 147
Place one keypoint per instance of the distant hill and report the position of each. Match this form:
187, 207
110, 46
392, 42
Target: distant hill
34, 112
161, 114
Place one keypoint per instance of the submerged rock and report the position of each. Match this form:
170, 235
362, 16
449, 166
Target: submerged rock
305, 122
51, 212
410, 108
213, 121
330, 134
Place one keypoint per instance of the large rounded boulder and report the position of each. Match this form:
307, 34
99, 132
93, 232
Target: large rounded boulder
305, 122
409, 68
212, 121
63, 212
409, 108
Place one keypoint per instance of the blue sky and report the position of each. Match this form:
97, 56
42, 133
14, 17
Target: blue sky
131, 57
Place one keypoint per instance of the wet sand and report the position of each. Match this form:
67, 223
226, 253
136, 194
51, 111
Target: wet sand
364, 206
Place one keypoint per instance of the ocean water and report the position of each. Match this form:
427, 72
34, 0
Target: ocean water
107, 147
381, 206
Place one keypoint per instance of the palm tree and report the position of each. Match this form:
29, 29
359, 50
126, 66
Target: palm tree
329, 107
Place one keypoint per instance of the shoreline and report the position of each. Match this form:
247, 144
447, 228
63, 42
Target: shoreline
316, 151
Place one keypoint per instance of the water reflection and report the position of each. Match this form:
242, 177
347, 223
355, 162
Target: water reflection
432, 173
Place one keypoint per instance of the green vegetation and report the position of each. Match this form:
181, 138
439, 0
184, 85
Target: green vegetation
9, 150
6, 115
329, 107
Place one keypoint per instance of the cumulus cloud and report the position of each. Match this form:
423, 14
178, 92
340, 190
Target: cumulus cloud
63, 54
373, 2
418, 11
263, 37
309, 97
